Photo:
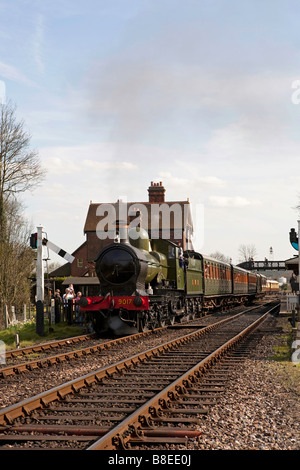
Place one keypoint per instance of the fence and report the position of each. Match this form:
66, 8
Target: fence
289, 302
56, 312
12, 316
67, 312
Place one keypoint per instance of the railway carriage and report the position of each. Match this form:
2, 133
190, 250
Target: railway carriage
239, 281
271, 286
146, 284
195, 281
217, 277
261, 284
252, 283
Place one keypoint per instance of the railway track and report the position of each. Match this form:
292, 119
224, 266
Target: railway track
146, 399
38, 356
72, 351
47, 346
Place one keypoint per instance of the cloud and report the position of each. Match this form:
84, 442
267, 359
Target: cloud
37, 42
169, 180
67, 160
231, 201
210, 181
108, 165
191, 180
12, 73
140, 100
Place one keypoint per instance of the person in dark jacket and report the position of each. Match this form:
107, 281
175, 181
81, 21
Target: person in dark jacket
294, 283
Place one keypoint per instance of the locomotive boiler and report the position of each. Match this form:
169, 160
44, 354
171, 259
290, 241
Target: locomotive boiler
146, 284
127, 270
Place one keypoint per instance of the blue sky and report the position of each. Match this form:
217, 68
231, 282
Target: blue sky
195, 93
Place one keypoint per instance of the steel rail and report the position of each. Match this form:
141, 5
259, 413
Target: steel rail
49, 345
56, 359
132, 428
8, 414
25, 407
12, 353
121, 434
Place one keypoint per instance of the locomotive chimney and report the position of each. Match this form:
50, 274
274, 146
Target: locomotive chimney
122, 231
156, 193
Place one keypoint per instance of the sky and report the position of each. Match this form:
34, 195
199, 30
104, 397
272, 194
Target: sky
203, 95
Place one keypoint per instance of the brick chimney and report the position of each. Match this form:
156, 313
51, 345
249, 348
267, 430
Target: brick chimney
156, 193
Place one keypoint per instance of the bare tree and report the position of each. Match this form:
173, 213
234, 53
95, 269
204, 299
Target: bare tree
247, 252
20, 168
219, 256
297, 208
16, 259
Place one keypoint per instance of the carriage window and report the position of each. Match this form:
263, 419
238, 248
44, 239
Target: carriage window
171, 251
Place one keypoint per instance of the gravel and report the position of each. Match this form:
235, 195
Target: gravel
19, 387
259, 409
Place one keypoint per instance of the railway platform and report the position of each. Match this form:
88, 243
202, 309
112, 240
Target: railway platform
289, 306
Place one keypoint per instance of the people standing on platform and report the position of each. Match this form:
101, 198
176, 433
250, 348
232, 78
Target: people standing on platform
71, 290
57, 305
68, 296
294, 283
78, 318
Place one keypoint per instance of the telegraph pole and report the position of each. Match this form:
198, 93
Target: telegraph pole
40, 284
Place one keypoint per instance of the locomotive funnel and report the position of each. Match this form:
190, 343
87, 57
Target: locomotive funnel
122, 231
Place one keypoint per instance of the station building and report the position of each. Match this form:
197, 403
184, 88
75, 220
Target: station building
171, 220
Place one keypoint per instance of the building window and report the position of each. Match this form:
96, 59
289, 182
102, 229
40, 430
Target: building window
79, 262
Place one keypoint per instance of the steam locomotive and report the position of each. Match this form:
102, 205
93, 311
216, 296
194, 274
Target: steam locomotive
146, 284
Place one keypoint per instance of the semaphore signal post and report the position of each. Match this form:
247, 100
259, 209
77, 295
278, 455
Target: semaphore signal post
37, 242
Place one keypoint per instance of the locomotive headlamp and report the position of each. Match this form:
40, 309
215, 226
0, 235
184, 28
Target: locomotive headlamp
138, 301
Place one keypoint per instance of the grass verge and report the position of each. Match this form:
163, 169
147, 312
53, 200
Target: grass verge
288, 366
28, 336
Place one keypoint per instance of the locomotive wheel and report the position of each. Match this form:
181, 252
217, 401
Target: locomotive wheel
143, 324
198, 309
172, 307
192, 310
